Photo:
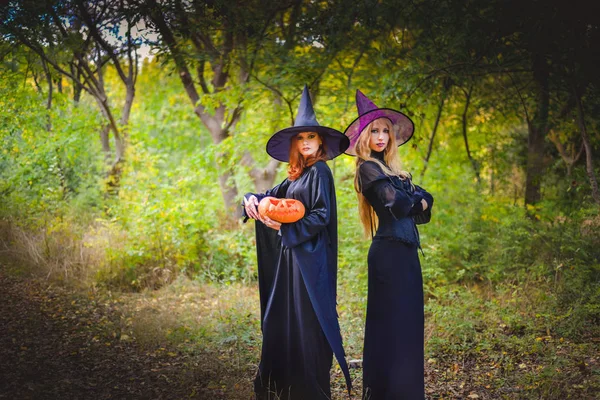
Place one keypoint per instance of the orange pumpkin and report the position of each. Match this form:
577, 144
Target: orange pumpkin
281, 210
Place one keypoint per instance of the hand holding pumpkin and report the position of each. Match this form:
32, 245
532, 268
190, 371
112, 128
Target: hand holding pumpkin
250, 205
281, 210
270, 223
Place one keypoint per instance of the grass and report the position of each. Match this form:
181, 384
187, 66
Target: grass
483, 340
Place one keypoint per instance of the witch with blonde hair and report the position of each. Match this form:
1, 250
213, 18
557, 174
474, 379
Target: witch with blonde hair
390, 206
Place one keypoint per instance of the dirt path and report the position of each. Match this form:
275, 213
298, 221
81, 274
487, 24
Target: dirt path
60, 344
50, 349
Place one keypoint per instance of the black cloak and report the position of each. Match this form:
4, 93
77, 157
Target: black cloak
297, 271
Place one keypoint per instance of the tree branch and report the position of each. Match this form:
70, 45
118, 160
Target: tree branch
93, 28
445, 90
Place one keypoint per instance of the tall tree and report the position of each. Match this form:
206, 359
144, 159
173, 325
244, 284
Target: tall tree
71, 37
480, 42
216, 47
217, 39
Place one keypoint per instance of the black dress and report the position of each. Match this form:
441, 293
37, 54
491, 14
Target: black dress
297, 283
393, 366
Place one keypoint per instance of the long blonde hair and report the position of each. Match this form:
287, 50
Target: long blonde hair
367, 215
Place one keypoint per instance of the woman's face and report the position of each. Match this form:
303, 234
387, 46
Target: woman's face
380, 135
308, 143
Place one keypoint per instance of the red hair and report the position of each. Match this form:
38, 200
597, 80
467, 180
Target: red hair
298, 163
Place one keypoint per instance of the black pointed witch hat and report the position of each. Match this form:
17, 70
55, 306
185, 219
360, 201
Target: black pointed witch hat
335, 141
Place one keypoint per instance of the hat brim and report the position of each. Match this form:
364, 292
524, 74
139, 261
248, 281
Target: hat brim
403, 126
278, 145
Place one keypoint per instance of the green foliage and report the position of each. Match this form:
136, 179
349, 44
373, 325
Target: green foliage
511, 292
497, 276
503, 283
167, 217
48, 164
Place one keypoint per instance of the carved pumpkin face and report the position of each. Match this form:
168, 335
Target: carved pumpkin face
281, 210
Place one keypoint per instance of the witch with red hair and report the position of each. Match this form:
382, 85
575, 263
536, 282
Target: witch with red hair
297, 266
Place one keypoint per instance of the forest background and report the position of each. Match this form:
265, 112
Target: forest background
129, 131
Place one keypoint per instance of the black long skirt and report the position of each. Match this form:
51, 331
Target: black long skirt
393, 366
296, 357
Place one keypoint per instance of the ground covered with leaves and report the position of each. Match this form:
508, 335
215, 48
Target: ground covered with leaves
56, 344
202, 341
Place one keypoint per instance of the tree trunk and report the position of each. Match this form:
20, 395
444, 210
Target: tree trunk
263, 178
228, 187
114, 173
464, 133
537, 132
589, 161
435, 127
129, 96
35, 80
128, 104
228, 190
102, 100
77, 89
49, 99
112, 126
104, 139
212, 123
50, 87
492, 176
121, 135
568, 153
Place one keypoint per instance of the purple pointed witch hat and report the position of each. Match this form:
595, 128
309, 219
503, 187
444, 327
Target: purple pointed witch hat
369, 112
278, 145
